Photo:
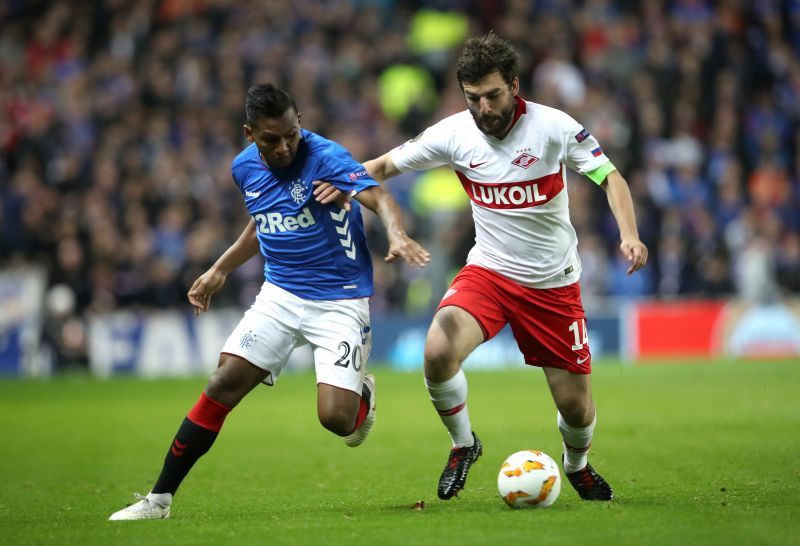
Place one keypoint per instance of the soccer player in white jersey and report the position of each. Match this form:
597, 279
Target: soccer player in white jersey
511, 156
318, 278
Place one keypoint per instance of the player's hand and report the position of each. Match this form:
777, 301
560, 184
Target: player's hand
203, 288
408, 249
325, 193
636, 253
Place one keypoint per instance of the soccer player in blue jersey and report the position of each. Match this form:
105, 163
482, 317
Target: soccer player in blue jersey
318, 278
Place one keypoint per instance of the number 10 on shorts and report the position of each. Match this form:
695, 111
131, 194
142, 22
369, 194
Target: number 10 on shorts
581, 335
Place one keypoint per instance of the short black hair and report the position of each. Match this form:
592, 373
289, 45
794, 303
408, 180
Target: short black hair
485, 54
267, 101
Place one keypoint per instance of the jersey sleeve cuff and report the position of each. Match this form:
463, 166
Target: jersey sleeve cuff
599, 174
393, 156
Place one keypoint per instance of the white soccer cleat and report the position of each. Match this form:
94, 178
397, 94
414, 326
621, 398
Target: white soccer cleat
145, 508
357, 437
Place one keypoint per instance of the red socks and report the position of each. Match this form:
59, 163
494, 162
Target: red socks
208, 413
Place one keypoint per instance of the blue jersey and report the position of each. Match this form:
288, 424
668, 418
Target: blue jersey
314, 251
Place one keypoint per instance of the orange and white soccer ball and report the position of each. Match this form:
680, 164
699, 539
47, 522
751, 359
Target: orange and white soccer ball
529, 479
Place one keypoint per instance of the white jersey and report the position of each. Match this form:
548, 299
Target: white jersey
517, 188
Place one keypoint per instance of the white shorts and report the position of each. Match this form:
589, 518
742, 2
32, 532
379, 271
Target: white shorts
278, 321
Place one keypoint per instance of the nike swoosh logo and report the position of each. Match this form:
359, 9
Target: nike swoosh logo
474, 165
582, 360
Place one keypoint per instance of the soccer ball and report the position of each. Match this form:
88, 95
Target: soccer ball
529, 479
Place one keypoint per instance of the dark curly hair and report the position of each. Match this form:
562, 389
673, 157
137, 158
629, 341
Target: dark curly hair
267, 101
485, 54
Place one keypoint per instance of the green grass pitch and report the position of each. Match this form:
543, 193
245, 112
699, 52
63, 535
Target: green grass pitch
698, 453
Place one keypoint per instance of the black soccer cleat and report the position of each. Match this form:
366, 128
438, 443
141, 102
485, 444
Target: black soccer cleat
454, 475
589, 484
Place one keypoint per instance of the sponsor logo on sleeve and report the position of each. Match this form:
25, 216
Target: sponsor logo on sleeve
583, 135
358, 174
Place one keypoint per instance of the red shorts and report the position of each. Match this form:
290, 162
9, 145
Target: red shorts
548, 324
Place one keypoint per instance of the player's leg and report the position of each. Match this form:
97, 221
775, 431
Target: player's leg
232, 380
339, 332
470, 313
255, 352
576, 414
550, 329
453, 335
572, 394
338, 408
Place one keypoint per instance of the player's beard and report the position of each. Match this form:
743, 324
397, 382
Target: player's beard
495, 125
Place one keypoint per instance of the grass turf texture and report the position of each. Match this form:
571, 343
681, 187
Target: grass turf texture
701, 453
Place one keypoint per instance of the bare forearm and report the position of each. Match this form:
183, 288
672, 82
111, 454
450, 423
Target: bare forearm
381, 168
400, 244
391, 216
621, 204
381, 203
245, 247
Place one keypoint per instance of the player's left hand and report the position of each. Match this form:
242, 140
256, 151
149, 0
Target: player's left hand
325, 193
636, 253
408, 249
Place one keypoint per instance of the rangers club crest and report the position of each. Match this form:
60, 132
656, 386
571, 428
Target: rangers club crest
298, 191
247, 340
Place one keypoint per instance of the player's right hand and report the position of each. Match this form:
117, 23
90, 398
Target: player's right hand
636, 253
407, 248
325, 193
205, 286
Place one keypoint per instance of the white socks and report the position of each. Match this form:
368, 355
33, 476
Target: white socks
161, 499
450, 400
577, 441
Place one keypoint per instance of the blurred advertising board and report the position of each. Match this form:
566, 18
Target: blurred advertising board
764, 331
710, 329
172, 343
163, 343
21, 301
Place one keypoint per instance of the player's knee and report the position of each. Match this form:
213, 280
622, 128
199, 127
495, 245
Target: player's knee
219, 385
438, 351
226, 385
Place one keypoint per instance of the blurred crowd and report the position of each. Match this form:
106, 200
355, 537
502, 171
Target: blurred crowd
119, 120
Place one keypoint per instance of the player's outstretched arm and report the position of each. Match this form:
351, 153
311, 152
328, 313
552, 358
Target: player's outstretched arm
207, 284
621, 203
381, 168
400, 244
